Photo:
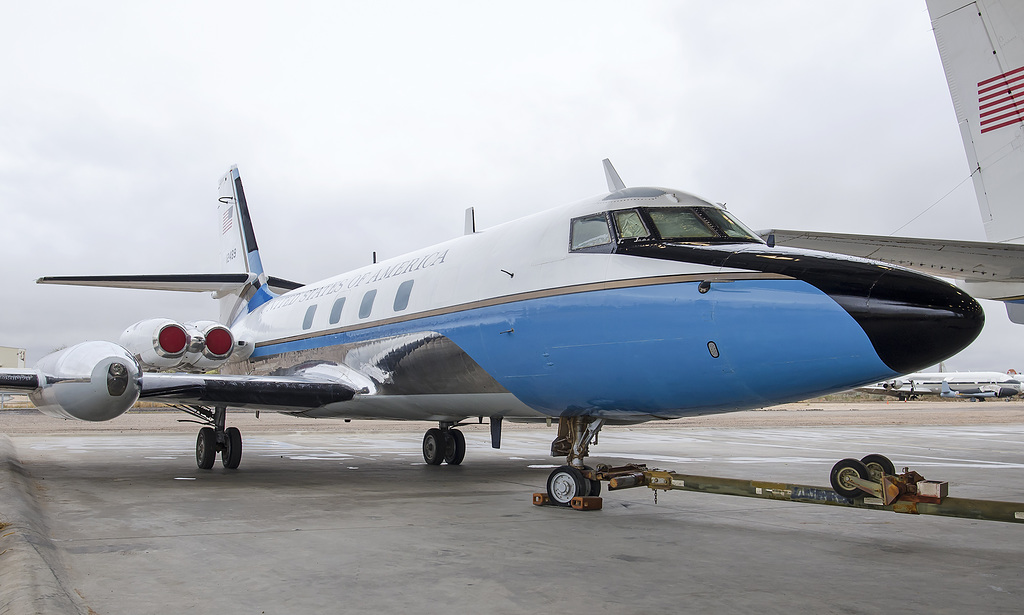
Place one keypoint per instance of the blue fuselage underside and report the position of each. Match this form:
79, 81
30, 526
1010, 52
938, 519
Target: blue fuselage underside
644, 350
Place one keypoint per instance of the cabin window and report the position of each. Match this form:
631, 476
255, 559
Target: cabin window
336, 311
402, 296
590, 231
307, 322
366, 305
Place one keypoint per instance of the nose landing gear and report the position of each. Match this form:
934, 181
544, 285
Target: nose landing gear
573, 479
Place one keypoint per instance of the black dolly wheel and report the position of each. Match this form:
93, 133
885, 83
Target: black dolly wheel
878, 465
841, 474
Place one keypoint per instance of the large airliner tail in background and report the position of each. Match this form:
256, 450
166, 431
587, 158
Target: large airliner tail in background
981, 45
983, 57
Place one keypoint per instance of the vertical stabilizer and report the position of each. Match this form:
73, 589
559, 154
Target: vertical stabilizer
239, 251
981, 44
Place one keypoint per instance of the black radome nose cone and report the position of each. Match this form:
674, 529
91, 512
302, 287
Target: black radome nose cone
913, 320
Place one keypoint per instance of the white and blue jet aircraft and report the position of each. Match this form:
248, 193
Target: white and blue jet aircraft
637, 304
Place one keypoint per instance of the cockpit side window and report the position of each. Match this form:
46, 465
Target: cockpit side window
590, 232
630, 225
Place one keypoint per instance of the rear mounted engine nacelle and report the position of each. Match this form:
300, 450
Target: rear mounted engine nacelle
92, 381
163, 344
210, 346
158, 343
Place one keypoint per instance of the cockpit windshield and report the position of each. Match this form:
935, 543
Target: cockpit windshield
602, 232
699, 224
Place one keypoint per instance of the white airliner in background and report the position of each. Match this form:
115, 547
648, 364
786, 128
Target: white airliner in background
981, 45
637, 304
975, 385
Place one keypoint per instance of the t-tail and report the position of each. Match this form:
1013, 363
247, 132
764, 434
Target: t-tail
239, 251
242, 285
982, 49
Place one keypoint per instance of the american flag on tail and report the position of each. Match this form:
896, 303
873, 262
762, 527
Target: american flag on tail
1001, 100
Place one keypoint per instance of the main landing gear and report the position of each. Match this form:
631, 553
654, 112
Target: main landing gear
574, 479
216, 438
444, 444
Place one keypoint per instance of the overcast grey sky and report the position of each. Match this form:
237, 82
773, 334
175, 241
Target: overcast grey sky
364, 126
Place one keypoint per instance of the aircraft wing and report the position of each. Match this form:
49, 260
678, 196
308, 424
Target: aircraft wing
263, 392
93, 394
973, 261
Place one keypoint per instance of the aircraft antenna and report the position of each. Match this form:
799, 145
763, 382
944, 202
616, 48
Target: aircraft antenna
610, 174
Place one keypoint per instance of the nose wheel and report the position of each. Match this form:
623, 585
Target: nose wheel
575, 434
566, 483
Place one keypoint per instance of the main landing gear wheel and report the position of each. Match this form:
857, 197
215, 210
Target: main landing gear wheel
878, 465
841, 474
566, 483
216, 437
206, 448
435, 445
231, 455
455, 447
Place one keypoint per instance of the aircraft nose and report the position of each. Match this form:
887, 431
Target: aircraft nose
912, 320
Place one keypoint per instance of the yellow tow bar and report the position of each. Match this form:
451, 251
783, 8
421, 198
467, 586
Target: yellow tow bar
907, 493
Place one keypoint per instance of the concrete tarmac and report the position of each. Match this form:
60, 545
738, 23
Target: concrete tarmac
342, 519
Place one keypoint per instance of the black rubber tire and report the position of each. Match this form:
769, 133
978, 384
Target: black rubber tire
455, 447
595, 485
848, 468
878, 465
434, 446
231, 456
206, 448
566, 483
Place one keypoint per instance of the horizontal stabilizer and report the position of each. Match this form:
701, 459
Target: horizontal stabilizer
193, 283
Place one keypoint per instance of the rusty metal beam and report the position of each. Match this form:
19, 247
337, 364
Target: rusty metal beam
985, 510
